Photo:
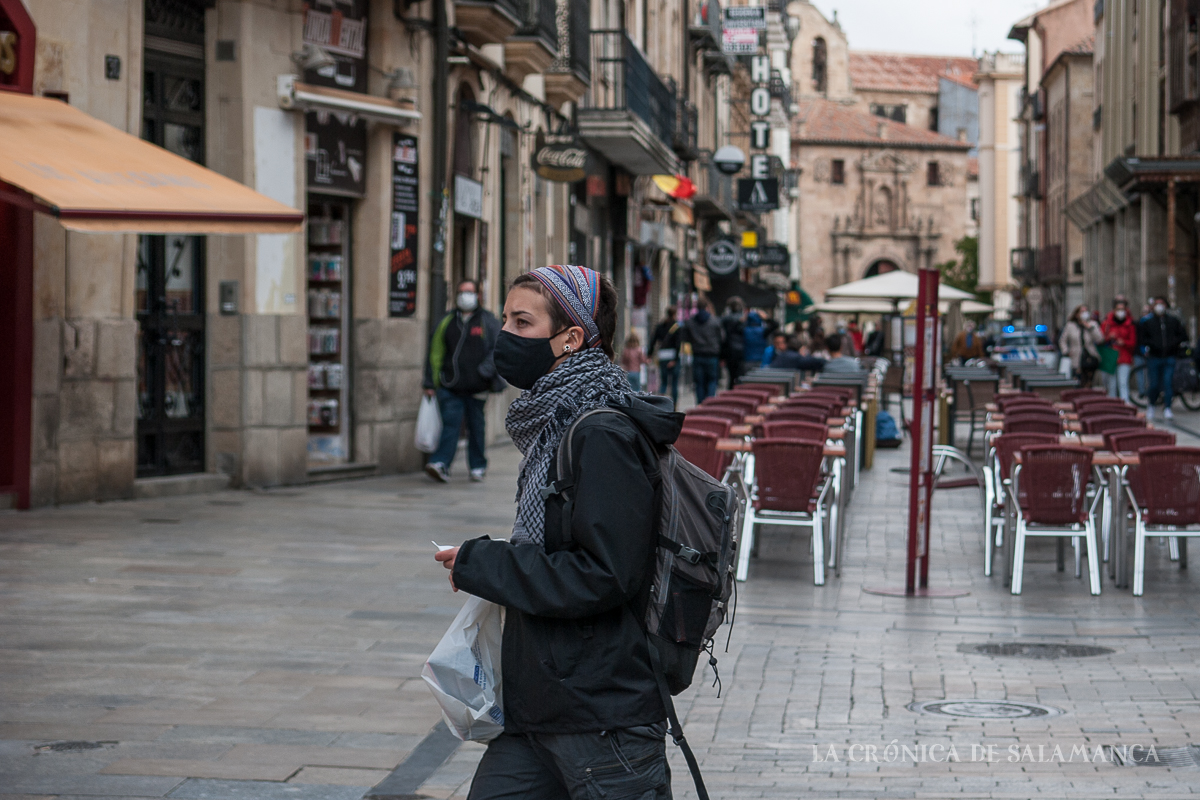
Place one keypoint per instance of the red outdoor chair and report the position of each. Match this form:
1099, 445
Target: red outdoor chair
1110, 422
699, 422
1027, 412
809, 413
1003, 401
997, 483
735, 416
843, 395
788, 487
1083, 404
763, 394
1131, 440
795, 429
775, 389
1033, 425
1069, 395
748, 404
700, 448
831, 407
1105, 409
1165, 500
1050, 485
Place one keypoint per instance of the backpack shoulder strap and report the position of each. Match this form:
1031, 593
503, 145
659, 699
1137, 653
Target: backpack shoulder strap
565, 463
676, 730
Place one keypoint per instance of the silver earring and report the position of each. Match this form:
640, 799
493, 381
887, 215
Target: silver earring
566, 349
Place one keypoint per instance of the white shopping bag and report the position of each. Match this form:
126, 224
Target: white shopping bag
463, 672
429, 426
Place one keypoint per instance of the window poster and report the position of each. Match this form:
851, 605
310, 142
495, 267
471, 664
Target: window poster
402, 279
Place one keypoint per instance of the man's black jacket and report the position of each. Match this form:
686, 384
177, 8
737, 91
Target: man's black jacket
574, 657
1160, 335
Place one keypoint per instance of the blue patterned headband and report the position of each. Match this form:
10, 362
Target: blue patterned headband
577, 290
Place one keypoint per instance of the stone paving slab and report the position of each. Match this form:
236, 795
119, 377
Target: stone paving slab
285, 630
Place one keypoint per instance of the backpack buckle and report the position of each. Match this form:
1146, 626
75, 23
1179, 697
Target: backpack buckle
548, 490
689, 555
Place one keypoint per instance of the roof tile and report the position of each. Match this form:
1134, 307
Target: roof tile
825, 121
900, 72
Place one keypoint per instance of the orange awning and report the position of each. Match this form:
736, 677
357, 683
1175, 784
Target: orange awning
96, 178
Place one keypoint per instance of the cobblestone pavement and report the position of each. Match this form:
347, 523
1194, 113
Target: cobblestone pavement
254, 646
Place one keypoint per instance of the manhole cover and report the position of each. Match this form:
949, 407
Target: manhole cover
1178, 757
159, 521
1035, 650
984, 709
70, 747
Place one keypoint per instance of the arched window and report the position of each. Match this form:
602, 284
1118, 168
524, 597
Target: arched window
464, 133
880, 267
819, 64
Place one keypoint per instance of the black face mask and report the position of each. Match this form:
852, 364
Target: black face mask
522, 360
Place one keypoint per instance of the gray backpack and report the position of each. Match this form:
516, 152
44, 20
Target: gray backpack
693, 576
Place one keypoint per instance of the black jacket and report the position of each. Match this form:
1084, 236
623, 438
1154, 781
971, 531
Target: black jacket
706, 335
734, 328
668, 335
790, 359
1159, 336
574, 657
461, 352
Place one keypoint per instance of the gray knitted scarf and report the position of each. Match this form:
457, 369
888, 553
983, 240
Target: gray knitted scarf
538, 418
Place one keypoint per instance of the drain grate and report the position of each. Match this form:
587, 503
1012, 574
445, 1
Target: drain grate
985, 709
1177, 757
70, 747
1035, 650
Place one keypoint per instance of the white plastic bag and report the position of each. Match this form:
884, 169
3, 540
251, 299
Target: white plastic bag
429, 426
463, 672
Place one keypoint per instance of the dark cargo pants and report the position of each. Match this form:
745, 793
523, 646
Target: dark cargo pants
625, 764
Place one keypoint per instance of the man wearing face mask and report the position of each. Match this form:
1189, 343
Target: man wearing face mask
1159, 338
1120, 332
460, 372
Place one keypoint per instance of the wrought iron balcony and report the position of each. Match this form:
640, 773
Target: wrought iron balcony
687, 126
486, 21
570, 75
628, 113
714, 190
534, 45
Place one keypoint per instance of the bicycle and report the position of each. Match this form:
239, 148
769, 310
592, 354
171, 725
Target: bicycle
1189, 395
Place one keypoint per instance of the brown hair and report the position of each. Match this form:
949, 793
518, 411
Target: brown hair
606, 309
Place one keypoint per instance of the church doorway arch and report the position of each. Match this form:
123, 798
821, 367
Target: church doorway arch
880, 267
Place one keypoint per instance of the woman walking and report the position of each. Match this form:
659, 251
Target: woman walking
664, 345
582, 714
1078, 343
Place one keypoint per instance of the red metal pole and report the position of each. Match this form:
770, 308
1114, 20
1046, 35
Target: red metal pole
920, 485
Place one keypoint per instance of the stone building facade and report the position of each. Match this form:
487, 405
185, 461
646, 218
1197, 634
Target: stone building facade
180, 362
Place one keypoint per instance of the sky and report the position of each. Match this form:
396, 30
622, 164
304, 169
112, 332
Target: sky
941, 27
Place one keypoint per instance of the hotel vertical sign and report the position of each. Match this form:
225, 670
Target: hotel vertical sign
17, 43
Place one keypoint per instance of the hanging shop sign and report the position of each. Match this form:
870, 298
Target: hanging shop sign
739, 41
722, 257
757, 195
17, 42
773, 254
560, 157
335, 149
753, 17
468, 197
406, 205
339, 29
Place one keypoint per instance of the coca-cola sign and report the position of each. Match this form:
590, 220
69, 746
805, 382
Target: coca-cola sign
560, 157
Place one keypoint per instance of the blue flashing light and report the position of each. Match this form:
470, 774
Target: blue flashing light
1009, 328
1040, 328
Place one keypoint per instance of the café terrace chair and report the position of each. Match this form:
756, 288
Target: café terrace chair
700, 448
1050, 485
1106, 410
1069, 395
997, 478
1110, 422
795, 429
699, 422
1164, 496
810, 413
1132, 440
732, 413
748, 404
788, 487
1033, 425
1092, 405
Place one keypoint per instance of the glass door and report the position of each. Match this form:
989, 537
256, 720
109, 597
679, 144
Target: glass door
170, 288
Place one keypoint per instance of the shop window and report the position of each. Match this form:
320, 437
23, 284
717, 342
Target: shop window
837, 173
975, 209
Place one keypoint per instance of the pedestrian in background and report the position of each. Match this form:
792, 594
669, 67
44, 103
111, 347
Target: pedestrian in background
1078, 342
967, 344
703, 332
632, 359
582, 715
754, 338
665, 345
460, 372
1159, 338
793, 357
835, 343
733, 349
777, 346
1120, 332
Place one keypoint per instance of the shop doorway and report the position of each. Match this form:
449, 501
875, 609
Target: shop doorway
170, 286
329, 274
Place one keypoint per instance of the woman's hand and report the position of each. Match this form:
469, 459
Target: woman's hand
447, 558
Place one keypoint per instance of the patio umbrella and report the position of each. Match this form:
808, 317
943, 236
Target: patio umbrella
895, 286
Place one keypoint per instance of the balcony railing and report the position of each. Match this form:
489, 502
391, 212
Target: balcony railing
483, 22
714, 190
568, 76
687, 125
622, 80
538, 21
